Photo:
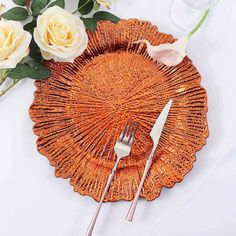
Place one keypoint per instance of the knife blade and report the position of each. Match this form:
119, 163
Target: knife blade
159, 124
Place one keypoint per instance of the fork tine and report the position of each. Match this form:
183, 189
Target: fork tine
129, 125
133, 133
122, 135
126, 136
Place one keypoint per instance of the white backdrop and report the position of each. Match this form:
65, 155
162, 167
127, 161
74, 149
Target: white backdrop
34, 203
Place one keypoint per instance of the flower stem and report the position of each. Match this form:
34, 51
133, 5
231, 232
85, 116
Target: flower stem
3, 76
190, 34
81, 7
9, 87
2, 80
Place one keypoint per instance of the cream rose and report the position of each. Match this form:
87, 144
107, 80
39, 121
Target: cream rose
14, 43
105, 3
60, 35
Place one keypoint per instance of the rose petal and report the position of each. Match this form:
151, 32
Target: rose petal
12, 62
23, 45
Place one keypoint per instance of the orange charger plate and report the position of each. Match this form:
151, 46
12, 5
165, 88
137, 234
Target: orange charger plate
80, 111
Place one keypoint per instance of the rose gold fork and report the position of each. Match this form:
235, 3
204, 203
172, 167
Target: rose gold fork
122, 149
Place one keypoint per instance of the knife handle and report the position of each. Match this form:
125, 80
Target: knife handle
132, 208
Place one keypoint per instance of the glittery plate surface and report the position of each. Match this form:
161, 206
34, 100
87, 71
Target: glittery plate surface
80, 111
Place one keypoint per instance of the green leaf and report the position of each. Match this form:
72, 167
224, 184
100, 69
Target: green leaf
85, 6
89, 23
32, 70
103, 15
19, 2
30, 26
38, 5
16, 13
60, 3
21, 71
35, 51
41, 72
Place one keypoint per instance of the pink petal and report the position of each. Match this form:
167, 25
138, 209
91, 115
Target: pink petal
172, 59
168, 54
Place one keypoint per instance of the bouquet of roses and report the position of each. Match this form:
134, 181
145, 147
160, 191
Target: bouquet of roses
51, 33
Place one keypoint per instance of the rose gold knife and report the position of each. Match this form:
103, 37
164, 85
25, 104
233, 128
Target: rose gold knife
155, 135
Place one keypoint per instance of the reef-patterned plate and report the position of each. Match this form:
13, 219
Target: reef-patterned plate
80, 111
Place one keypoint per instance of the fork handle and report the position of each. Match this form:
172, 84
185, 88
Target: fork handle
133, 206
109, 180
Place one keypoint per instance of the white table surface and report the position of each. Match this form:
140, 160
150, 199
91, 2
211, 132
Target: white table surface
35, 203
